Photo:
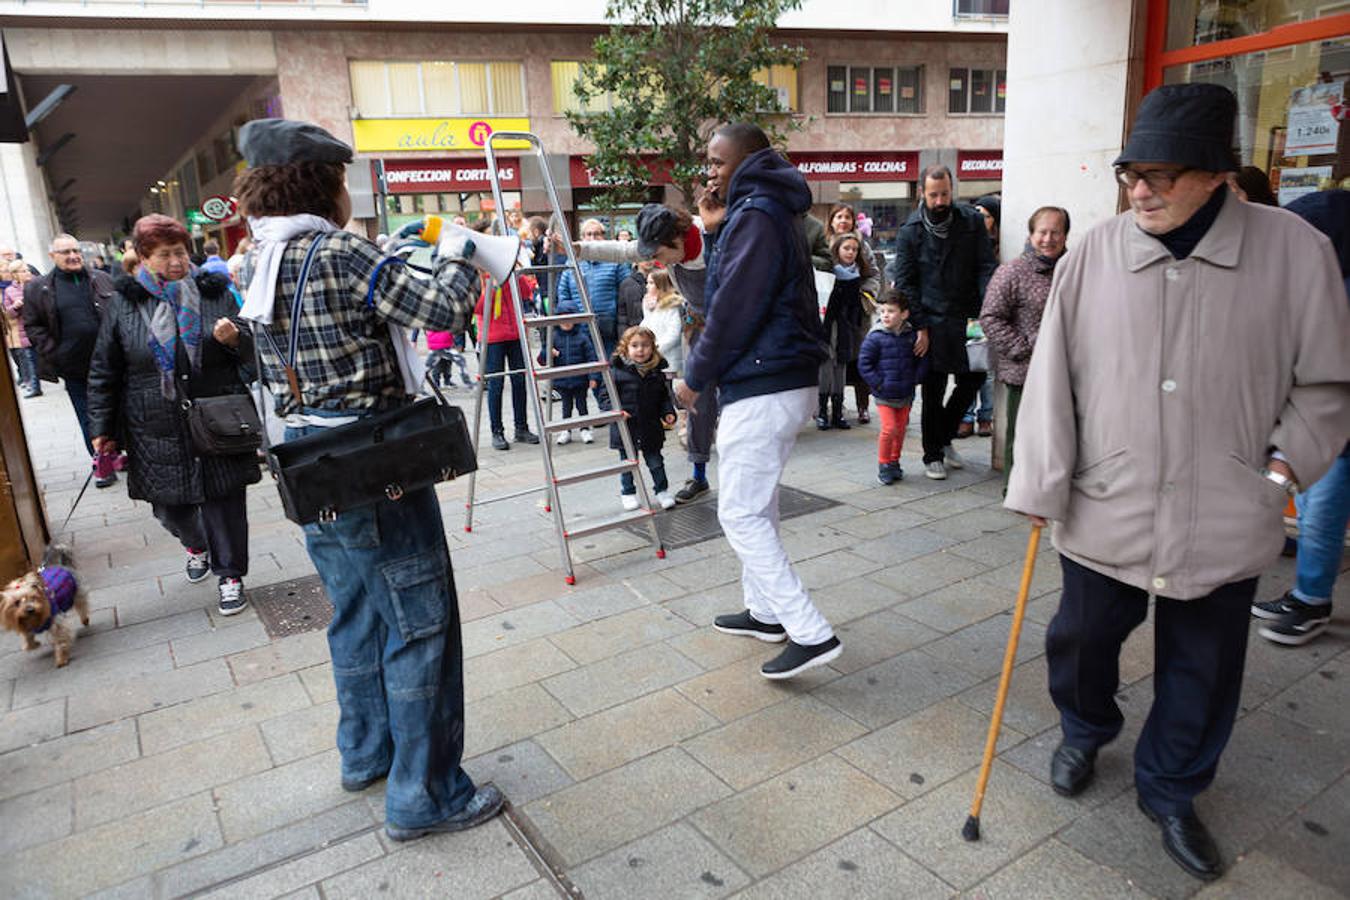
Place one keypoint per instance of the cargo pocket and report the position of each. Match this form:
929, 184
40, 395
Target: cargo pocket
420, 594
1098, 478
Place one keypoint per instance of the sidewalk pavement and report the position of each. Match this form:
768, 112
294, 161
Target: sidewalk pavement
643, 755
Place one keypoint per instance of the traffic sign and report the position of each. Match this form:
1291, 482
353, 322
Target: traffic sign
218, 207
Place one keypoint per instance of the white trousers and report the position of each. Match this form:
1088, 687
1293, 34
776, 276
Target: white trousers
754, 438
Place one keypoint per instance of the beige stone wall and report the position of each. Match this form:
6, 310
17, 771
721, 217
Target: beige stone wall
93, 51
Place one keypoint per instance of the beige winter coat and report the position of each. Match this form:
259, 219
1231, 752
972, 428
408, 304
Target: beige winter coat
1158, 389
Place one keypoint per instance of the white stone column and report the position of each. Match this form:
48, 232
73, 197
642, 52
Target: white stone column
26, 218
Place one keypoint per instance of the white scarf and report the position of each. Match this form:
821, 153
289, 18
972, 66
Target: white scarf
271, 234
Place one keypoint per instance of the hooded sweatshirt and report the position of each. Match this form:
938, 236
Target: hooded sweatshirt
763, 332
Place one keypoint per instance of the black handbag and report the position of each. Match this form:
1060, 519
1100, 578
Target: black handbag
380, 456
226, 425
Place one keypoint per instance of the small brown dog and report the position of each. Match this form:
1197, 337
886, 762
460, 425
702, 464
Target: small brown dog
38, 601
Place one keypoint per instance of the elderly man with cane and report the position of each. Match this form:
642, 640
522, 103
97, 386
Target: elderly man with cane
1191, 372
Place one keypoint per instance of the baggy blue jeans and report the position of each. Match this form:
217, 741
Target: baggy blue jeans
398, 662
1322, 513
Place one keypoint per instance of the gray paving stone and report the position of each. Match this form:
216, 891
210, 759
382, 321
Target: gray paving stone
858, 866
803, 809
308, 869
1047, 577
164, 729
512, 667
607, 637
124, 849
149, 605
623, 733
948, 501
979, 648
820, 571
585, 820
817, 541
1259, 875
279, 657
701, 574
523, 772
1313, 839
612, 681
737, 689
882, 523
250, 806
673, 862
239, 859
1054, 870
6, 693
154, 780
46, 682
477, 864
318, 682
699, 608
1319, 700
67, 757
993, 549
120, 699
1018, 813
35, 818
891, 690
514, 627
925, 574
923, 751
712, 649
218, 642
773, 740
587, 604
894, 549
844, 601
509, 717
32, 725
301, 733
958, 605
879, 637
984, 522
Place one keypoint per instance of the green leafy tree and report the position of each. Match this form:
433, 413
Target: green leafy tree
675, 70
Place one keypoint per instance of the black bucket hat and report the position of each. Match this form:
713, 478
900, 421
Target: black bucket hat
1187, 124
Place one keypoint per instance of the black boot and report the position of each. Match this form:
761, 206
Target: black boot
823, 413
837, 419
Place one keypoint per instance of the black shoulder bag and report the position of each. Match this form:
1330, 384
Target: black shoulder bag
380, 456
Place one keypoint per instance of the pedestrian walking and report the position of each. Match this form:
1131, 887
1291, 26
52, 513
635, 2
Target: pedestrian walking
16, 338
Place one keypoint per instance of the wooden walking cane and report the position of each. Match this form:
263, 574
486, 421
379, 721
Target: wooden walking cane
971, 830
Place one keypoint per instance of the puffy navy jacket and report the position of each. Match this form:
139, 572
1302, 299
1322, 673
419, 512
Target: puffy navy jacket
762, 334
888, 364
602, 287
574, 348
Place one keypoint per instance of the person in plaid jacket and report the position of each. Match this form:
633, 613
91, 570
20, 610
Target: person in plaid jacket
395, 634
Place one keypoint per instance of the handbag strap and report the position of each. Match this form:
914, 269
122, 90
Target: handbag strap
287, 362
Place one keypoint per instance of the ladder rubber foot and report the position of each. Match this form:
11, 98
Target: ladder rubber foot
468, 528
547, 508
661, 554
570, 579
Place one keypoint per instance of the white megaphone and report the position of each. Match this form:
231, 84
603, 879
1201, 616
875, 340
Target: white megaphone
495, 254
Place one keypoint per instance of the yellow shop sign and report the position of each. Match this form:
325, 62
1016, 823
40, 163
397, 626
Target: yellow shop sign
462, 133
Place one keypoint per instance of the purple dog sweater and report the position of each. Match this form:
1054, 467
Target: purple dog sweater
60, 583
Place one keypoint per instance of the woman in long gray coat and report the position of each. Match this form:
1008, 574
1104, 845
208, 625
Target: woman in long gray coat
162, 339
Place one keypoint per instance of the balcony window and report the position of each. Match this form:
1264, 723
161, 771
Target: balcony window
880, 90
383, 89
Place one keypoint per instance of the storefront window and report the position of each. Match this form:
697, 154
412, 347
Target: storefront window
1291, 111
1192, 23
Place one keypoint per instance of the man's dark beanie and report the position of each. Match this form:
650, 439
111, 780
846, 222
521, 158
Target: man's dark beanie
1187, 124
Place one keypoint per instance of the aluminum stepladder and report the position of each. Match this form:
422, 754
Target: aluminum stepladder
534, 374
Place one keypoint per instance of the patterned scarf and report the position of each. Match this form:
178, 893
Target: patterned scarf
936, 229
177, 316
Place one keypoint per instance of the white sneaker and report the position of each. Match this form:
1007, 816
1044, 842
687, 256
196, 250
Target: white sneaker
564, 437
232, 599
629, 501
954, 459
664, 498
935, 470
587, 437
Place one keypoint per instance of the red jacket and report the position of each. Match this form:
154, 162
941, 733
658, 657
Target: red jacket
502, 325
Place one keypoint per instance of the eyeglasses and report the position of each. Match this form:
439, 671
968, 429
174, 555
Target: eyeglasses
1158, 180
66, 252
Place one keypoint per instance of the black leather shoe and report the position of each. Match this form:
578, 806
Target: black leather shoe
1071, 770
1188, 842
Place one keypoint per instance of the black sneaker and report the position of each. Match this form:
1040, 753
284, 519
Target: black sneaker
232, 598
797, 658
198, 565
1301, 624
745, 624
106, 481
483, 805
1277, 608
691, 490
526, 436
890, 473
499, 441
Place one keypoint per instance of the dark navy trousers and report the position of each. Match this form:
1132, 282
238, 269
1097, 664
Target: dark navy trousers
1200, 647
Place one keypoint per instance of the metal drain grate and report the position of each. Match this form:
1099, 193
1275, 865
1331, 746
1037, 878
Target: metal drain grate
694, 523
292, 607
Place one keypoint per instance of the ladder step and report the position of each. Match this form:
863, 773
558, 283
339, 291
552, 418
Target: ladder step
580, 318
627, 518
553, 373
556, 267
618, 468
594, 420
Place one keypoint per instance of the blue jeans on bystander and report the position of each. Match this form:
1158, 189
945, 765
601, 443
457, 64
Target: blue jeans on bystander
1323, 510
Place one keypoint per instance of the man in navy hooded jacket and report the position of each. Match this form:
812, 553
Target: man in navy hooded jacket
761, 347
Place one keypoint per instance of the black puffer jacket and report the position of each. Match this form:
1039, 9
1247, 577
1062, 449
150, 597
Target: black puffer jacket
647, 400
125, 400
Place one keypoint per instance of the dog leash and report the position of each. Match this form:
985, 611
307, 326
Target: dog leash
78, 498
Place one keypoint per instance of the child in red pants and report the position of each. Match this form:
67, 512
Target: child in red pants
888, 364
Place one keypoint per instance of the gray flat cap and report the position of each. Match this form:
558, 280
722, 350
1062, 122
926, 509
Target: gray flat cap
280, 142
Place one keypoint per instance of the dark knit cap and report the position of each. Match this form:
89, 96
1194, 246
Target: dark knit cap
991, 204
280, 142
1187, 124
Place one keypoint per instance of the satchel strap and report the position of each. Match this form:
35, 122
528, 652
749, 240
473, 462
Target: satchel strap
297, 304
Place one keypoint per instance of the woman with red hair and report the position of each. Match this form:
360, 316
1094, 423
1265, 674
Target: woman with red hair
167, 336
